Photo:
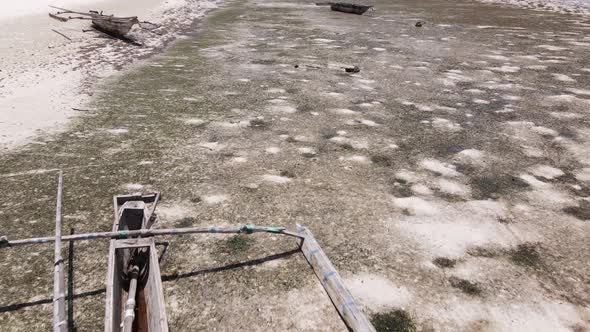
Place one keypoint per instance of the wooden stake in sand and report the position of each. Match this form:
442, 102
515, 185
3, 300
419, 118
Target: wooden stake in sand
333, 284
59, 283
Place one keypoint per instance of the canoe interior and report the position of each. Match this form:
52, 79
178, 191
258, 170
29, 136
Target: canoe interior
150, 315
131, 213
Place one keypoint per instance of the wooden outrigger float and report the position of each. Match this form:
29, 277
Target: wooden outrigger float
112, 25
135, 297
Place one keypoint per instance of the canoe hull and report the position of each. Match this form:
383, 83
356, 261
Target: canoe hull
349, 8
115, 26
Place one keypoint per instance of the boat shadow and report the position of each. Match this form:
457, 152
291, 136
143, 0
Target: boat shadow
171, 277
253, 262
126, 39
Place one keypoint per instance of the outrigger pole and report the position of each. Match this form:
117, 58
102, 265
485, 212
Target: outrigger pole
333, 284
246, 229
59, 281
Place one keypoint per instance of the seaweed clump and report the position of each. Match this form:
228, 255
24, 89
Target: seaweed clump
394, 321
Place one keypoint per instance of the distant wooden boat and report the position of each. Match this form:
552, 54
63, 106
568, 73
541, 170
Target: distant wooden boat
116, 26
349, 8
135, 297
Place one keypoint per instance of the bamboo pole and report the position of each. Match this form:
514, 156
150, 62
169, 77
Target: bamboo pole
127, 323
59, 282
345, 304
246, 229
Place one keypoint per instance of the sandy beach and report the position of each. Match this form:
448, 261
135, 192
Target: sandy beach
579, 7
44, 76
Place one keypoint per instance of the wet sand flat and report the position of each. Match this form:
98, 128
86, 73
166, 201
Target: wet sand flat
449, 178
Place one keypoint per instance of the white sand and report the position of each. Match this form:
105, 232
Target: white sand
276, 179
453, 187
436, 166
547, 172
356, 159
42, 72
415, 206
583, 175
449, 229
214, 199
539, 315
376, 292
561, 6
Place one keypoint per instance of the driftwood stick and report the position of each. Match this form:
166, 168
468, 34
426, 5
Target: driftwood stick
246, 229
61, 34
59, 18
59, 282
333, 284
67, 11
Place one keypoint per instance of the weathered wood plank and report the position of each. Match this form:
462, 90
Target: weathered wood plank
154, 294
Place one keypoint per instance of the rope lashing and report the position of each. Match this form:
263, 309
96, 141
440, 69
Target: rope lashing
248, 229
59, 296
123, 234
274, 229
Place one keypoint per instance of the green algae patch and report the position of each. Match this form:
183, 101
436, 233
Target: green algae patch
394, 321
526, 254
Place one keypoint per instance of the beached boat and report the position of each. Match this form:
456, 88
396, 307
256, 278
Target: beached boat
135, 297
349, 8
116, 26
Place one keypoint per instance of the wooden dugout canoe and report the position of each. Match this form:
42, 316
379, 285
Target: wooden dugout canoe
135, 297
118, 26
110, 24
349, 8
